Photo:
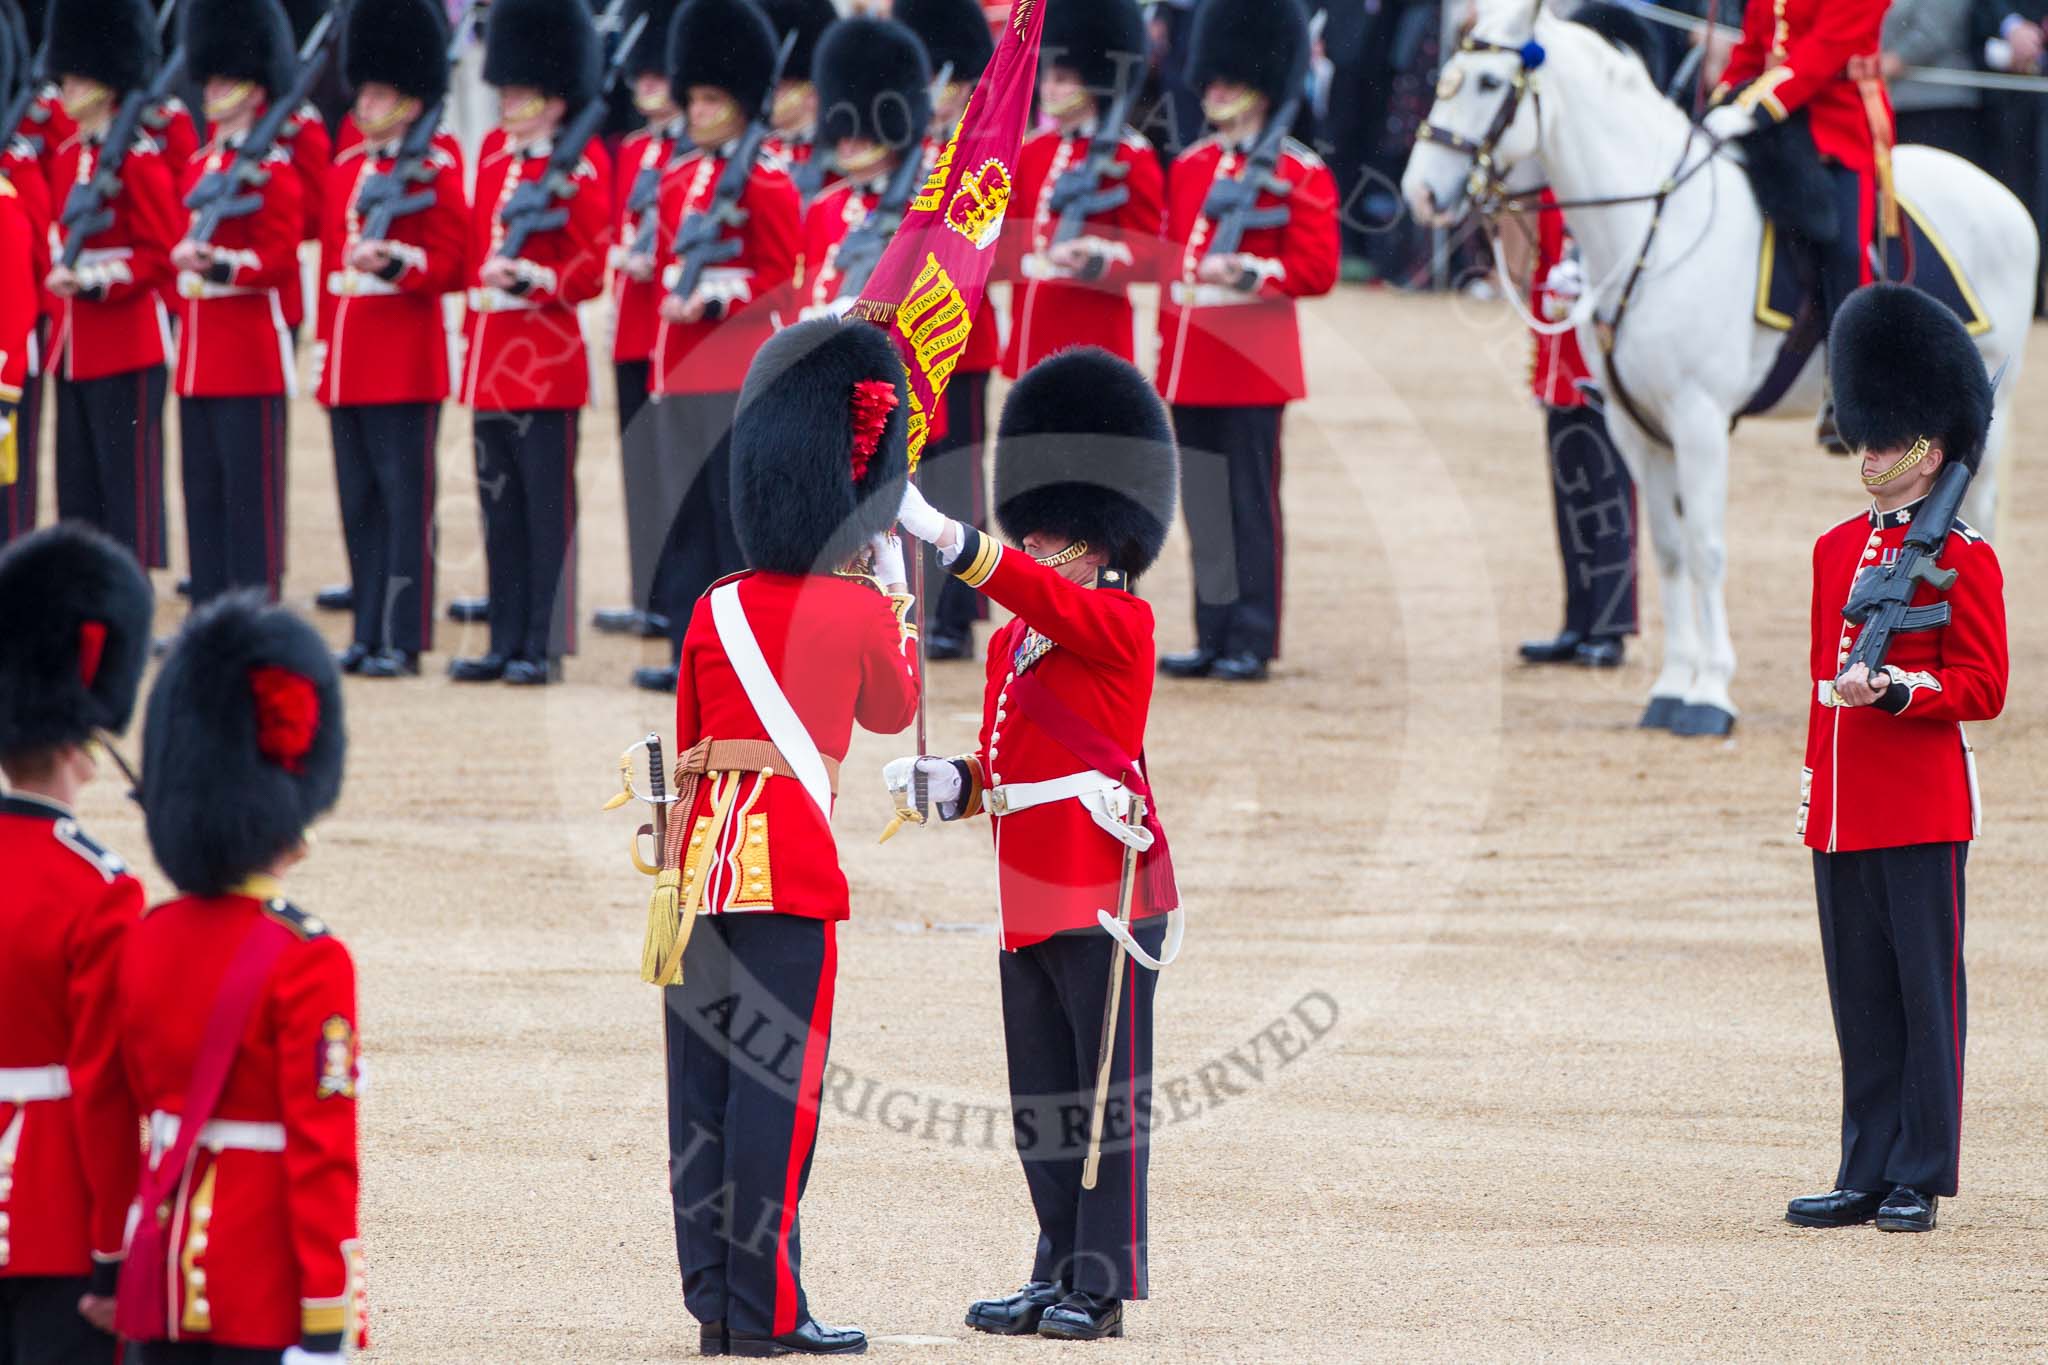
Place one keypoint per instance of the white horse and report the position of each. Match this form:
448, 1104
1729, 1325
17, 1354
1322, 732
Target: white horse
1583, 117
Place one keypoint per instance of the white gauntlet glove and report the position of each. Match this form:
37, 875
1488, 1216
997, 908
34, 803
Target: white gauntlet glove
1729, 121
888, 552
942, 783
921, 519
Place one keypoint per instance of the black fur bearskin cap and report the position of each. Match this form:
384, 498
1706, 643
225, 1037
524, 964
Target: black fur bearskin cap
804, 500
1085, 451
1259, 43
240, 40
725, 44
109, 41
75, 615
399, 43
874, 82
808, 20
243, 746
1103, 40
1903, 366
550, 45
954, 31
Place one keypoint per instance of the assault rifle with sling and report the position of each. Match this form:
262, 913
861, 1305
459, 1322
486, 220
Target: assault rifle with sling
1232, 205
389, 196
234, 191
1097, 185
88, 209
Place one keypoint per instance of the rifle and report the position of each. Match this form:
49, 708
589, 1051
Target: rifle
1881, 601
233, 192
643, 206
1233, 204
699, 243
386, 198
861, 249
24, 99
1096, 185
541, 205
88, 208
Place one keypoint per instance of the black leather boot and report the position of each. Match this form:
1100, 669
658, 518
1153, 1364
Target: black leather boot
483, 668
339, 598
711, 1339
1192, 663
811, 1338
1561, 648
1836, 1209
1018, 1314
469, 610
1600, 651
1907, 1210
1239, 667
1082, 1316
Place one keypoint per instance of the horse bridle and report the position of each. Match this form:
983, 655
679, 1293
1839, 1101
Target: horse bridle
1484, 186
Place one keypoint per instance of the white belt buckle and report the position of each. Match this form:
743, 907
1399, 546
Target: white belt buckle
997, 799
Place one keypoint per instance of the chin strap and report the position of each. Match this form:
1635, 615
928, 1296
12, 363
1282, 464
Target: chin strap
1905, 464
1066, 556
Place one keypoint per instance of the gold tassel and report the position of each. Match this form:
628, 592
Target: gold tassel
664, 919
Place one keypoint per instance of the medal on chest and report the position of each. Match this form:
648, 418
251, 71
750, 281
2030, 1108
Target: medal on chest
1032, 648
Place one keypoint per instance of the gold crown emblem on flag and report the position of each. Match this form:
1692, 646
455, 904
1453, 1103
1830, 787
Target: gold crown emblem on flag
977, 207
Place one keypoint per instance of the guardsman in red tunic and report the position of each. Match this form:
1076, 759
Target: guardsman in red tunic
24, 255
1590, 488
237, 1013
1072, 268
1229, 347
873, 82
1888, 801
1085, 482
235, 364
78, 613
1792, 65
956, 35
382, 370
795, 143
112, 331
643, 157
779, 664
527, 372
721, 58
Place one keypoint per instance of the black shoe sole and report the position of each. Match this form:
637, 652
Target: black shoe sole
1021, 1328
1808, 1221
1904, 1225
1072, 1334
755, 1348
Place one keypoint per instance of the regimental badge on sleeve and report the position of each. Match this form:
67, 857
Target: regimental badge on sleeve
337, 1059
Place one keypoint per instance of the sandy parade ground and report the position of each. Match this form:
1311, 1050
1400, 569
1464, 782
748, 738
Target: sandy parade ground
1501, 1030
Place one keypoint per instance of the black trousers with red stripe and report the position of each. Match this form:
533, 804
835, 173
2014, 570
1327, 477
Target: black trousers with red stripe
1230, 495
18, 499
1055, 994
1595, 501
951, 477
526, 479
40, 1325
746, 1034
694, 504
386, 471
233, 471
647, 508
1891, 931
110, 458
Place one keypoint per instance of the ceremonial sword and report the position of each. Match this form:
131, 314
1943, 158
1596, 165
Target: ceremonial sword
1126, 891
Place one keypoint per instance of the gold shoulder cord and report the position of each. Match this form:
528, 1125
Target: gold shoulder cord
1906, 462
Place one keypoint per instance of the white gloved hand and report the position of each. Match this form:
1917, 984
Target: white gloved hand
888, 552
942, 783
295, 1356
1729, 121
920, 518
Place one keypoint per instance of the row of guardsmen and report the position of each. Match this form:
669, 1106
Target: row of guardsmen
401, 226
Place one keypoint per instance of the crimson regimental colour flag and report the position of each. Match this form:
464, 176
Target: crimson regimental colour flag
929, 283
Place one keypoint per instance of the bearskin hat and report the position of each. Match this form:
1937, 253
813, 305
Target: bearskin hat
303, 14
1624, 30
1103, 40
550, 45
1259, 43
240, 40
14, 51
808, 20
874, 82
650, 53
78, 611
1903, 366
243, 746
399, 43
819, 448
109, 41
726, 44
954, 32
1085, 451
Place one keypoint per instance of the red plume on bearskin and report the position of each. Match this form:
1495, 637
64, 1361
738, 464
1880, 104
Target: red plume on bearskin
244, 744
75, 618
